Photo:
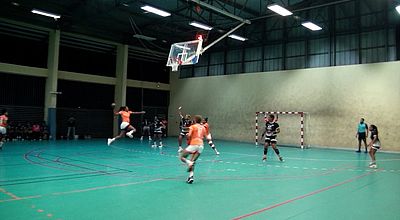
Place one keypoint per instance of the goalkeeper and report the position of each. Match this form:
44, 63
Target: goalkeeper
270, 132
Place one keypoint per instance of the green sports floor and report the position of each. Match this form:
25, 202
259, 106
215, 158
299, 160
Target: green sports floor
86, 179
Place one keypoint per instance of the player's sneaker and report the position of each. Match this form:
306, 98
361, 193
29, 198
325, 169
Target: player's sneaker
280, 159
129, 134
216, 152
373, 166
150, 138
264, 158
180, 149
141, 138
190, 180
109, 141
1, 145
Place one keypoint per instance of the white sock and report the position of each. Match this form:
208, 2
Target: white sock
191, 173
187, 161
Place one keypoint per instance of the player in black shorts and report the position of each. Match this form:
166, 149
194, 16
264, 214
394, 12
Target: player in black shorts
271, 131
374, 145
362, 134
184, 128
157, 126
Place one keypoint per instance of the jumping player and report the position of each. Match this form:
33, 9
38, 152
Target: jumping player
3, 127
126, 127
197, 133
374, 145
184, 128
209, 138
271, 130
158, 133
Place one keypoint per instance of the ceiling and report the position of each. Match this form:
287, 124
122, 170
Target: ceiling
119, 20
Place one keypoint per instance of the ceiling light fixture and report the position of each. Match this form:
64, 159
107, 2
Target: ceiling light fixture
236, 37
200, 25
144, 37
156, 11
398, 9
45, 13
279, 9
311, 26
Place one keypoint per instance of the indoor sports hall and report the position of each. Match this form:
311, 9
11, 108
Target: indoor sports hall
199, 109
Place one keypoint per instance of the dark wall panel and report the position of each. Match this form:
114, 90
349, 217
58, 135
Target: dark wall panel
21, 90
23, 114
148, 71
23, 51
96, 123
84, 95
84, 61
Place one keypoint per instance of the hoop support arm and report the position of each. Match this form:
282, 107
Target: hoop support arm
222, 37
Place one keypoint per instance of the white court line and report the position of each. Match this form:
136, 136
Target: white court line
83, 190
291, 158
105, 187
336, 160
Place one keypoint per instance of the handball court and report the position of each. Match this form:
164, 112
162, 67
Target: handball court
86, 179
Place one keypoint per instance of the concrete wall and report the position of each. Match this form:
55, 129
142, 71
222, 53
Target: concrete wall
335, 98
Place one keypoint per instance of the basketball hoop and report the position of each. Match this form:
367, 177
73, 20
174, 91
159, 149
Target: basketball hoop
184, 53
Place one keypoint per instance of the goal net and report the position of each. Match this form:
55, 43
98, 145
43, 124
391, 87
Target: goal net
291, 124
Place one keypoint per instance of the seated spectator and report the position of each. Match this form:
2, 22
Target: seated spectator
36, 132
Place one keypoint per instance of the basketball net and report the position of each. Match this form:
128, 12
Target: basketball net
175, 66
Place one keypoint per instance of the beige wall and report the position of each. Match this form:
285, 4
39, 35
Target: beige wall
334, 97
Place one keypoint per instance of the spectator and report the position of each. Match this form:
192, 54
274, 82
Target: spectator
362, 134
36, 133
71, 123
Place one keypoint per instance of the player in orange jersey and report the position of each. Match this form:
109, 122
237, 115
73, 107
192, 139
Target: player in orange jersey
3, 127
126, 127
195, 136
209, 138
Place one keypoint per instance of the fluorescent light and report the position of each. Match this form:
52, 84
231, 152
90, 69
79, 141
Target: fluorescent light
144, 37
156, 11
398, 9
311, 26
200, 25
45, 13
236, 37
279, 9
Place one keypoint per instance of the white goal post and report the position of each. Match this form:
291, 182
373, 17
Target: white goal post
301, 123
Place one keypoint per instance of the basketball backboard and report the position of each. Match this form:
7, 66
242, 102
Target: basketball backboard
184, 53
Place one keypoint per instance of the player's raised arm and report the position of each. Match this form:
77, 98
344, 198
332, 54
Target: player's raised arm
180, 112
136, 113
